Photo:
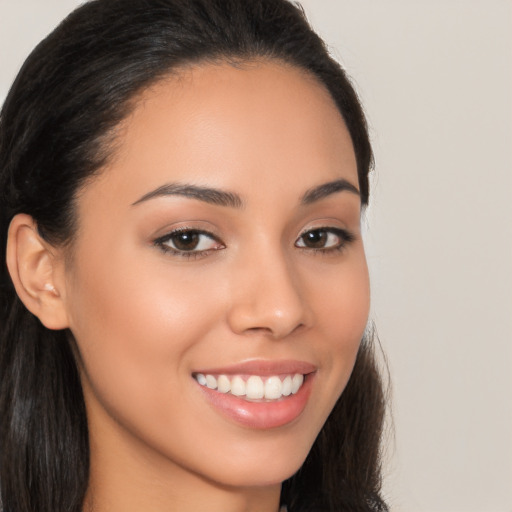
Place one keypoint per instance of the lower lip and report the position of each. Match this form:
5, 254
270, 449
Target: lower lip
261, 415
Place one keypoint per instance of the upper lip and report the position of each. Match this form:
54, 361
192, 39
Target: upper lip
263, 368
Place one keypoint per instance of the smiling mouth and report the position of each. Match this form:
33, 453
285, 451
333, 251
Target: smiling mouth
253, 387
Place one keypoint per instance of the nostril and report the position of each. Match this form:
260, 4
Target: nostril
259, 331
275, 332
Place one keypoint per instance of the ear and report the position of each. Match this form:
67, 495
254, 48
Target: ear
36, 271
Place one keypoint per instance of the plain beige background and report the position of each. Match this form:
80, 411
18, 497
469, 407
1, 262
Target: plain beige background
436, 80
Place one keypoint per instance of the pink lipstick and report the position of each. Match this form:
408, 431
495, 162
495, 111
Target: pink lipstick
258, 394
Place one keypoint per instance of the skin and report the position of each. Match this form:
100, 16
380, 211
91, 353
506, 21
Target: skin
145, 319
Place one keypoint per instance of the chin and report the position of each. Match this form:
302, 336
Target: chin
266, 476
261, 469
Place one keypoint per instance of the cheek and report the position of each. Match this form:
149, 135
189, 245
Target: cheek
342, 310
135, 325
342, 299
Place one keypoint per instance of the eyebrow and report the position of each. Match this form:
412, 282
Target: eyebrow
327, 189
233, 200
206, 194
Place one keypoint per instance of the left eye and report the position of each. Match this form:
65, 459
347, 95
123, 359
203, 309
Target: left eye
324, 238
189, 240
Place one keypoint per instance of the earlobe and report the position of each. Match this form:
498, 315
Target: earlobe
34, 268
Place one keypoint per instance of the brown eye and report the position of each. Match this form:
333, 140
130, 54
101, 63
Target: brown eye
315, 239
324, 239
188, 241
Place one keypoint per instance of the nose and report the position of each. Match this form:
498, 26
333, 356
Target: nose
267, 297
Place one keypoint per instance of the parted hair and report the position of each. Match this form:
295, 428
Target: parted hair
57, 130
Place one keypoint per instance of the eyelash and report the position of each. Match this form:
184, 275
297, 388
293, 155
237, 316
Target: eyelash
344, 236
162, 243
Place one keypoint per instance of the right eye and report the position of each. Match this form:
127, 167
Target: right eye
188, 242
325, 240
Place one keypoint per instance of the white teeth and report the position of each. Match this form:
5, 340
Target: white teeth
297, 381
223, 384
273, 388
255, 388
211, 382
238, 386
287, 386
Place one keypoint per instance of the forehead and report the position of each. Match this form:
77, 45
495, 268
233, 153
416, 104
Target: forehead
234, 127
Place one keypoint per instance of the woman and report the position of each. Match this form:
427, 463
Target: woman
185, 290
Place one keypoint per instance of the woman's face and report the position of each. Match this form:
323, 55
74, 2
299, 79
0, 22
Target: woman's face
221, 245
